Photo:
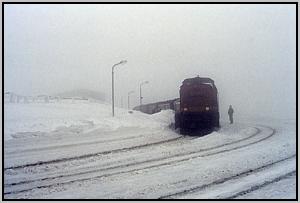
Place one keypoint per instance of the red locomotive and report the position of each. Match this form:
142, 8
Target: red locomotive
198, 110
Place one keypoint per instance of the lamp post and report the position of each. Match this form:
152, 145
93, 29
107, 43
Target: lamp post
143, 83
112, 85
128, 105
121, 101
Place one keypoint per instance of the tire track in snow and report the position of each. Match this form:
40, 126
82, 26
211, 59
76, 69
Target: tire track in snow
236, 176
139, 163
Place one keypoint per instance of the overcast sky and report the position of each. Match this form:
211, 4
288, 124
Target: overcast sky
248, 50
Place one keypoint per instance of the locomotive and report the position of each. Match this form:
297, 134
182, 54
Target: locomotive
197, 109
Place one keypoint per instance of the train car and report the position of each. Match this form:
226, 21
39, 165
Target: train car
198, 110
156, 107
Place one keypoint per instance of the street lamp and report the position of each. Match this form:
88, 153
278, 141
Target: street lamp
128, 98
143, 83
112, 79
121, 101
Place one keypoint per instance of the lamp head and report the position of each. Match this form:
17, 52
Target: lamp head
123, 62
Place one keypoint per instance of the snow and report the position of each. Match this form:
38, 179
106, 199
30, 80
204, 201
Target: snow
283, 189
83, 115
84, 152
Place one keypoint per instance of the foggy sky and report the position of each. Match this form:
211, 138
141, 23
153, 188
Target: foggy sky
248, 50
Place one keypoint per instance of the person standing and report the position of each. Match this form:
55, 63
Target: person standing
230, 113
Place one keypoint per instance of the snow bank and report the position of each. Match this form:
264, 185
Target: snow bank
164, 116
80, 115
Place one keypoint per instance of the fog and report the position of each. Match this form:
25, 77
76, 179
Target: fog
248, 50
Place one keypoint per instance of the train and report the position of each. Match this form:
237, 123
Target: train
196, 110
199, 106
157, 106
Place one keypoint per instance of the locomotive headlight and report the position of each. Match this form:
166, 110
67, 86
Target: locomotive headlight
207, 108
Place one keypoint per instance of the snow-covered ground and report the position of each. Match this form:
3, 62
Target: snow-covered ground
40, 118
76, 149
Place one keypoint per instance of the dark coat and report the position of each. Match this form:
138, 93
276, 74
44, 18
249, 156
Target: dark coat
230, 111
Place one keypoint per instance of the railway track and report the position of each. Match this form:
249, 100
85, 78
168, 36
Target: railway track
126, 149
259, 186
236, 176
72, 145
23, 186
92, 154
156, 159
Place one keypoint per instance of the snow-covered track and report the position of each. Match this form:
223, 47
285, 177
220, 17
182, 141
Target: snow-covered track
82, 144
259, 186
16, 187
199, 188
92, 154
